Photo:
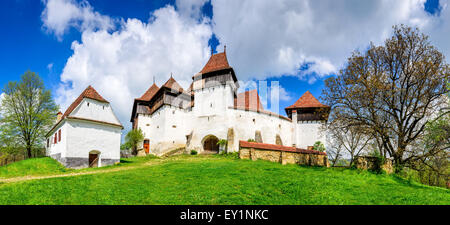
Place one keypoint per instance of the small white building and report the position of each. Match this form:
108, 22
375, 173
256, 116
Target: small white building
211, 109
88, 134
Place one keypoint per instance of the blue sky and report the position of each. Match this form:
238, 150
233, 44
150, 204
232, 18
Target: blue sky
27, 43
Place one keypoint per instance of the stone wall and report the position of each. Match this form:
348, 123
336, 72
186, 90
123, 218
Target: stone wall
371, 163
282, 154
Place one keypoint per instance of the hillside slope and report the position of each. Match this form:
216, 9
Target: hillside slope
32, 167
223, 180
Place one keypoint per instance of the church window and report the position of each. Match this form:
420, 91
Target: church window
59, 135
211, 105
54, 138
174, 126
48, 142
254, 120
103, 107
88, 104
147, 124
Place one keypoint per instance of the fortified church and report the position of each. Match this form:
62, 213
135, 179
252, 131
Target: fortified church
210, 110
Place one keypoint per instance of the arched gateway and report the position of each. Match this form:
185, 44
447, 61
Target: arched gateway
210, 144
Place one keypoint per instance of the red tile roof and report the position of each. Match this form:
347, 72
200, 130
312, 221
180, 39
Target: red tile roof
149, 93
307, 101
216, 62
172, 84
89, 92
249, 99
246, 144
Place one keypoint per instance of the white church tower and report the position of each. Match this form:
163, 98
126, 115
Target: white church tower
214, 87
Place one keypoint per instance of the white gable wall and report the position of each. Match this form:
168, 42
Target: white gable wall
96, 110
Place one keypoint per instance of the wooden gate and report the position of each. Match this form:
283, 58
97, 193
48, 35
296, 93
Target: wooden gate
210, 144
93, 160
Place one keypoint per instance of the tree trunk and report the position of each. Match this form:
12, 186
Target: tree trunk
29, 152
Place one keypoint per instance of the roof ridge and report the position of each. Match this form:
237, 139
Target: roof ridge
90, 93
171, 83
151, 91
307, 100
216, 62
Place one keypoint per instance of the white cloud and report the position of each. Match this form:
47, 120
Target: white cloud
439, 29
190, 8
50, 66
120, 65
267, 38
59, 15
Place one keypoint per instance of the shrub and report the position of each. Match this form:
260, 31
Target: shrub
222, 142
318, 146
194, 152
251, 140
231, 155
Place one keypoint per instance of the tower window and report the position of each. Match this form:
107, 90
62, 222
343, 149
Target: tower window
88, 104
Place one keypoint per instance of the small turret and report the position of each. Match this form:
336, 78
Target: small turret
308, 108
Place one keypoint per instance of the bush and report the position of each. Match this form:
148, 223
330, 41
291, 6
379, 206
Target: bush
194, 152
318, 146
222, 142
231, 155
251, 140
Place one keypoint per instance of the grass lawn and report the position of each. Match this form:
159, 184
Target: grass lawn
220, 180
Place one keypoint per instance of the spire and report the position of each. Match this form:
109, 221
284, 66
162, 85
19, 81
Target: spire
153, 79
225, 49
212, 50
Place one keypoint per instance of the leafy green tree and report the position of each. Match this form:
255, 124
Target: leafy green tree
27, 112
318, 146
133, 139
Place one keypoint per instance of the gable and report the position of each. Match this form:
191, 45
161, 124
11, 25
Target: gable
91, 109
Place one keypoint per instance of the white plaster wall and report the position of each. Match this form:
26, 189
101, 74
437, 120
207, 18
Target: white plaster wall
269, 126
243, 125
96, 110
213, 100
59, 147
309, 132
84, 136
166, 128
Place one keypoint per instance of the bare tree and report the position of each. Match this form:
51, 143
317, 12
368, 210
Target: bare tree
349, 139
391, 91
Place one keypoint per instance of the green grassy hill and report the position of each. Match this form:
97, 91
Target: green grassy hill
218, 180
30, 167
